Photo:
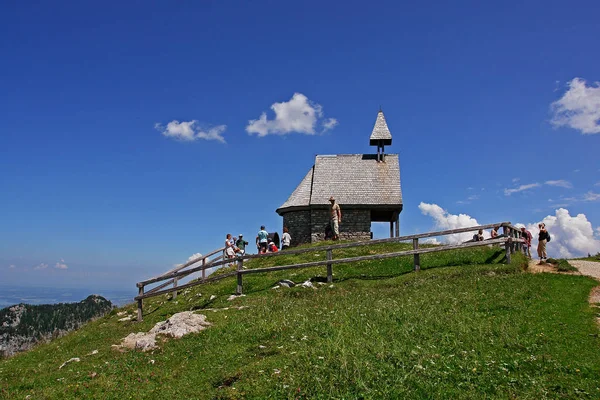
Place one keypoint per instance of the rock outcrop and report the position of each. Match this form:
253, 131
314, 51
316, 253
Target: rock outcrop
22, 326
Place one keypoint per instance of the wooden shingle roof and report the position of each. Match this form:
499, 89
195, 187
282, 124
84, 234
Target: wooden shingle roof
353, 179
381, 132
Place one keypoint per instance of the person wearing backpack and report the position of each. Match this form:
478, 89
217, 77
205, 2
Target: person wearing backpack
543, 238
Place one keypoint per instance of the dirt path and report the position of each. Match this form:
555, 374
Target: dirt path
589, 268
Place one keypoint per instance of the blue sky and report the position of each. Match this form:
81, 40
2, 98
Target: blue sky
106, 179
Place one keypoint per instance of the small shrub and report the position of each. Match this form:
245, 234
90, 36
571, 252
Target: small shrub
561, 264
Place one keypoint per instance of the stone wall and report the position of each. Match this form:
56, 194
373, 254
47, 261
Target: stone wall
309, 226
298, 223
356, 224
319, 219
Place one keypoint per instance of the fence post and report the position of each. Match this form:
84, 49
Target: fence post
140, 303
512, 242
417, 256
175, 287
240, 265
329, 268
508, 242
203, 268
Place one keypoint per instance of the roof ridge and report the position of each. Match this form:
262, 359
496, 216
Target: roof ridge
312, 183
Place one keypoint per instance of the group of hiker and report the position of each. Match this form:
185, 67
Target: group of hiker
235, 246
543, 239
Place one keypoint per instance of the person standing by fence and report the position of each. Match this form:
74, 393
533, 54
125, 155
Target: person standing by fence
229, 247
543, 238
527, 244
262, 240
286, 239
335, 217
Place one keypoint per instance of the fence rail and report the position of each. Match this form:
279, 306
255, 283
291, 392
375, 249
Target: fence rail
511, 239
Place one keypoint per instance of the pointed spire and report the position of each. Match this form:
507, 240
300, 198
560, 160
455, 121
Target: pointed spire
381, 134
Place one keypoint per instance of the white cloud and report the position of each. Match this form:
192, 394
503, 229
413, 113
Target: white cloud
40, 266
597, 184
469, 199
560, 183
297, 115
12, 266
444, 220
190, 258
190, 131
571, 236
329, 123
579, 108
194, 256
61, 265
508, 192
515, 180
591, 196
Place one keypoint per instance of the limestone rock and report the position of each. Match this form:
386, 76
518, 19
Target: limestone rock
286, 283
74, 359
178, 325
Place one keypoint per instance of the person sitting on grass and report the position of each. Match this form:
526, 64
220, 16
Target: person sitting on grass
494, 233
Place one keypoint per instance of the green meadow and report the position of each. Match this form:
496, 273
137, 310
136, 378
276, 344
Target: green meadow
467, 326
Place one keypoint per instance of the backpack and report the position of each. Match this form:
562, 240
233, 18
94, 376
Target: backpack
548, 238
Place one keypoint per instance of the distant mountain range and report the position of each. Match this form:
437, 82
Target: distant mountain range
15, 294
22, 326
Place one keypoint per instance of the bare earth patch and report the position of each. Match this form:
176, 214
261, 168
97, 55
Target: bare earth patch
536, 268
595, 295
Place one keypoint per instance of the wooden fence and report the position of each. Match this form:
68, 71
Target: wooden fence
510, 238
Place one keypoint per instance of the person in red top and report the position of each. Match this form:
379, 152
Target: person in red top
527, 245
273, 248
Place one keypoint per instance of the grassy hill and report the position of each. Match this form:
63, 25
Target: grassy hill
465, 326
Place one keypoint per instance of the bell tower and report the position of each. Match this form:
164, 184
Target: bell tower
380, 136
